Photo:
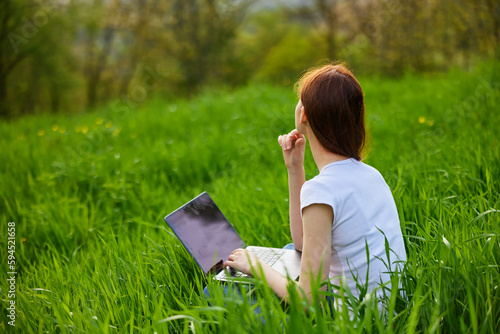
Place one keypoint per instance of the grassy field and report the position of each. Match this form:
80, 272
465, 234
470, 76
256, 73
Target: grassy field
88, 194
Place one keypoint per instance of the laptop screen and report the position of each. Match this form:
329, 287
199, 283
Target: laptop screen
204, 231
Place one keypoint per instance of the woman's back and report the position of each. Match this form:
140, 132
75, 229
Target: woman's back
364, 215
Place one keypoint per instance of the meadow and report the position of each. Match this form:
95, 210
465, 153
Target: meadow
88, 194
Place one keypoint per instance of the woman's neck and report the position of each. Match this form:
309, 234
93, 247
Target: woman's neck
321, 155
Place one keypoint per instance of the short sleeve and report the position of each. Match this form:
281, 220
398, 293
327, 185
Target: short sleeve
314, 192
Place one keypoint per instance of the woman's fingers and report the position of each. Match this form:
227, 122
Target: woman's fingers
293, 145
292, 139
280, 140
283, 140
233, 258
295, 132
297, 135
287, 141
300, 142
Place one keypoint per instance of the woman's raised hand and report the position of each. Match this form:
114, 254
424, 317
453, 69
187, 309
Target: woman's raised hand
294, 146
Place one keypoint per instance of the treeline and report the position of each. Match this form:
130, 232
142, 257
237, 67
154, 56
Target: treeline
72, 55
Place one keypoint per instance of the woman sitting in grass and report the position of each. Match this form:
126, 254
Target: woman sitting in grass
342, 218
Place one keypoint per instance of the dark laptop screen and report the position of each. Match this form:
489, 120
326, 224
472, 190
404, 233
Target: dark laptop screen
204, 231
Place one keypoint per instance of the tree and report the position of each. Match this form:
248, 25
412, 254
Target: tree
14, 43
198, 33
32, 50
324, 16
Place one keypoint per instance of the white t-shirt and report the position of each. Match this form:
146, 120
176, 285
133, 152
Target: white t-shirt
363, 208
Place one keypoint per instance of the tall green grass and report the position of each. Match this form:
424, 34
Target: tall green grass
89, 192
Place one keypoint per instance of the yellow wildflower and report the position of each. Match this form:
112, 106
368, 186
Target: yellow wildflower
85, 129
55, 127
98, 121
41, 132
421, 119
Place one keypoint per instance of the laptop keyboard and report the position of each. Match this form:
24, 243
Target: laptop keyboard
264, 254
268, 256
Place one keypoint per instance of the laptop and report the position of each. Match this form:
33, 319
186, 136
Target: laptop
210, 238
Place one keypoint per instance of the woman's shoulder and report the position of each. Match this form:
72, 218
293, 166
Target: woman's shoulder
318, 182
344, 180
317, 191
349, 169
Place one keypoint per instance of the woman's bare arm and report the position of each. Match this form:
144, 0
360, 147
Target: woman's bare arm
315, 260
296, 179
294, 145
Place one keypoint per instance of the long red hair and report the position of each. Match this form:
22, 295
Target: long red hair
335, 109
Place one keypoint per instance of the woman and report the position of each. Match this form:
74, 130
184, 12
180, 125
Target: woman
348, 207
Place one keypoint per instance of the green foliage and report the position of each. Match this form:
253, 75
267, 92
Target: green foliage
275, 50
297, 51
36, 66
77, 55
89, 192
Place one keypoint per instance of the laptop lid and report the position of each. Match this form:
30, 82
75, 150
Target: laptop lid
204, 231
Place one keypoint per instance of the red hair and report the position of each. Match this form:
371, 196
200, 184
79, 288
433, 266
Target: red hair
334, 106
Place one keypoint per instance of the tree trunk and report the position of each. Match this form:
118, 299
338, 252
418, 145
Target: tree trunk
55, 98
327, 11
95, 71
4, 111
92, 91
